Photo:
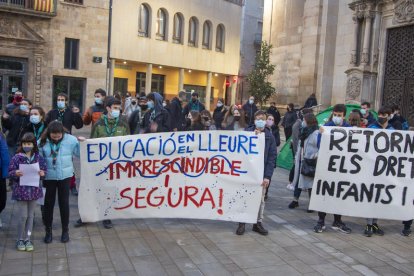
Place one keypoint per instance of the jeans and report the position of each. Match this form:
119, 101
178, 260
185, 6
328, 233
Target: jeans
25, 216
407, 223
62, 188
322, 215
262, 206
371, 221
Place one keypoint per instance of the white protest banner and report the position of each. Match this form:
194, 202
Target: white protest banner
202, 175
365, 173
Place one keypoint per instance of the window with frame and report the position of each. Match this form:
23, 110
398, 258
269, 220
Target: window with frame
220, 38
201, 90
207, 35
162, 20
178, 28
144, 20
71, 53
192, 33
74, 87
79, 2
157, 83
121, 85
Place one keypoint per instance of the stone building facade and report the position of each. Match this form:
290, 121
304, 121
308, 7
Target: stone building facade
343, 50
44, 51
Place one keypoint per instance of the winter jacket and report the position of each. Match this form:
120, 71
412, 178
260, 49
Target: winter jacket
376, 125
4, 157
193, 106
295, 135
218, 116
289, 119
37, 130
93, 114
11, 107
310, 151
249, 111
100, 130
276, 134
15, 125
370, 119
25, 192
69, 119
310, 102
270, 153
158, 115
177, 115
63, 167
275, 113
135, 121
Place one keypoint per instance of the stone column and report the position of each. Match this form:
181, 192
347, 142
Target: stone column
233, 91
367, 37
111, 76
148, 79
181, 80
37, 79
208, 90
355, 41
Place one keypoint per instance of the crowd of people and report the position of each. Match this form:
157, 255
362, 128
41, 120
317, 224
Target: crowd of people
30, 136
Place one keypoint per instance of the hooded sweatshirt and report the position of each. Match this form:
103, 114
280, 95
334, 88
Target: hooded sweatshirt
158, 115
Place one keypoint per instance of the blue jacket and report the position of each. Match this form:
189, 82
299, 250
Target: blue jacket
4, 157
270, 153
344, 124
376, 125
63, 168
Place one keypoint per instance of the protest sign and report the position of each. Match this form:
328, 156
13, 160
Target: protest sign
204, 175
365, 173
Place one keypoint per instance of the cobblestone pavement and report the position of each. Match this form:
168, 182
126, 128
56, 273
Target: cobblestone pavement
198, 247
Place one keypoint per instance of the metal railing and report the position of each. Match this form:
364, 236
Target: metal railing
44, 8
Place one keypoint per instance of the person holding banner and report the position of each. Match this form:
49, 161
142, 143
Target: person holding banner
337, 119
306, 155
25, 190
269, 161
157, 119
4, 165
58, 148
274, 129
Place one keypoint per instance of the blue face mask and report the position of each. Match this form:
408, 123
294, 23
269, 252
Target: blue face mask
115, 113
98, 100
24, 108
61, 105
35, 119
260, 124
337, 120
304, 124
363, 112
150, 104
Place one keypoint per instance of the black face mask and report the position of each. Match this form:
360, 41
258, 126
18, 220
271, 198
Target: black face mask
194, 100
236, 118
187, 122
382, 120
144, 107
133, 103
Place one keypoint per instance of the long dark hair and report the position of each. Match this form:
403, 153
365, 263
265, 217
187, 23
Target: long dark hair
28, 137
53, 127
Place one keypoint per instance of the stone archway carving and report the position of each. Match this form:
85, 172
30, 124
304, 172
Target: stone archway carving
404, 11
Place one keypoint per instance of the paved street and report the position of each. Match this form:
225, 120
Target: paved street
196, 247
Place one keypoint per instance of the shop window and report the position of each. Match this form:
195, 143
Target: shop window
71, 53
73, 87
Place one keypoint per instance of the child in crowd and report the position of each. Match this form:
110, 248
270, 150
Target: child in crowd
26, 196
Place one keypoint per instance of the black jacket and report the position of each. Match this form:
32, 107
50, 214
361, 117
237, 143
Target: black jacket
218, 116
69, 119
249, 111
161, 117
310, 102
177, 115
275, 113
289, 119
270, 153
15, 125
135, 121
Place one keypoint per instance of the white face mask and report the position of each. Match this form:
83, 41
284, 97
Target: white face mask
337, 120
219, 104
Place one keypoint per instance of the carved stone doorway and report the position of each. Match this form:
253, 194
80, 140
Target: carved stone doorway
399, 71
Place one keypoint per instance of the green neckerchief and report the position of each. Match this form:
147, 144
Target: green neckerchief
110, 131
39, 131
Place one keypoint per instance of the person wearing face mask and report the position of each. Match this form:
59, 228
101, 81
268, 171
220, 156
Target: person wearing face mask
207, 121
288, 120
176, 112
338, 116
132, 107
270, 125
93, 114
274, 112
194, 104
157, 119
250, 109
367, 117
58, 148
234, 119
68, 116
17, 99
270, 155
26, 196
16, 124
36, 123
219, 113
194, 122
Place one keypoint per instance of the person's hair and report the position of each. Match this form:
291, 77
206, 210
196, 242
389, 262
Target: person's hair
384, 110
396, 107
109, 101
270, 115
41, 111
259, 113
100, 91
313, 95
291, 106
194, 94
151, 97
339, 108
367, 104
17, 109
118, 96
273, 103
306, 111
310, 120
62, 95
28, 137
182, 94
195, 117
167, 102
205, 113
354, 119
220, 100
53, 127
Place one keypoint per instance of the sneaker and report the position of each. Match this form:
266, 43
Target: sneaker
79, 223
74, 191
319, 228
290, 187
20, 245
258, 227
29, 246
377, 231
241, 229
107, 223
340, 226
406, 232
294, 204
368, 231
